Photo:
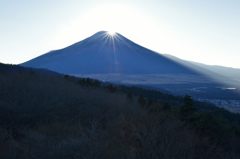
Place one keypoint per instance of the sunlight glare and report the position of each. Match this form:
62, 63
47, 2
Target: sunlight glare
111, 33
113, 18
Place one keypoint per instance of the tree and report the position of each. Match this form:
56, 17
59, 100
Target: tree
141, 100
166, 106
149, 102
112, 88
188, 106
129, 96
66, 76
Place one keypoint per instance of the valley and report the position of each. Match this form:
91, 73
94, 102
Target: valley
200, 88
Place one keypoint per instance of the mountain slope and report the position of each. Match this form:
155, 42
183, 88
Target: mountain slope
54, 116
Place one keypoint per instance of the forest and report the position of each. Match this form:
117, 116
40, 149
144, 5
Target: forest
48, 115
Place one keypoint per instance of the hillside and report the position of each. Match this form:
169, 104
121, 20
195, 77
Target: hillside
49, 115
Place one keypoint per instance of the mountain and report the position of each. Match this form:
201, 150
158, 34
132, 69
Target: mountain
106, 54
116, 59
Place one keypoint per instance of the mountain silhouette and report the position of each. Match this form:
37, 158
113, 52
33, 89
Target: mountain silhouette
103, 53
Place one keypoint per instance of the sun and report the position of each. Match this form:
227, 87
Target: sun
111, 33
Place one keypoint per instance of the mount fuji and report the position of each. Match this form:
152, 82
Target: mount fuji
114, 58
103, 53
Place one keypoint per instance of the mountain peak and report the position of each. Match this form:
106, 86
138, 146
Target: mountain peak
108, 35
105, 53
105, 33
102, 35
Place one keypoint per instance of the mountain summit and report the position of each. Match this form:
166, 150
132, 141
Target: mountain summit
105, 53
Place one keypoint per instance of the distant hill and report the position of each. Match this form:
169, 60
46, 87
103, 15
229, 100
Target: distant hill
48, 115
227, 75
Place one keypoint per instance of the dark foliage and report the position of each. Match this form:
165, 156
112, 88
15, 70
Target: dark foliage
188, 107
47, 115
142, 101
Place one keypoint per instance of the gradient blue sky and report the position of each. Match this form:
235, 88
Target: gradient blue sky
206, 31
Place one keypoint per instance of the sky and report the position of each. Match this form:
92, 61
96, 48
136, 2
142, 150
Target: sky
206, 31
